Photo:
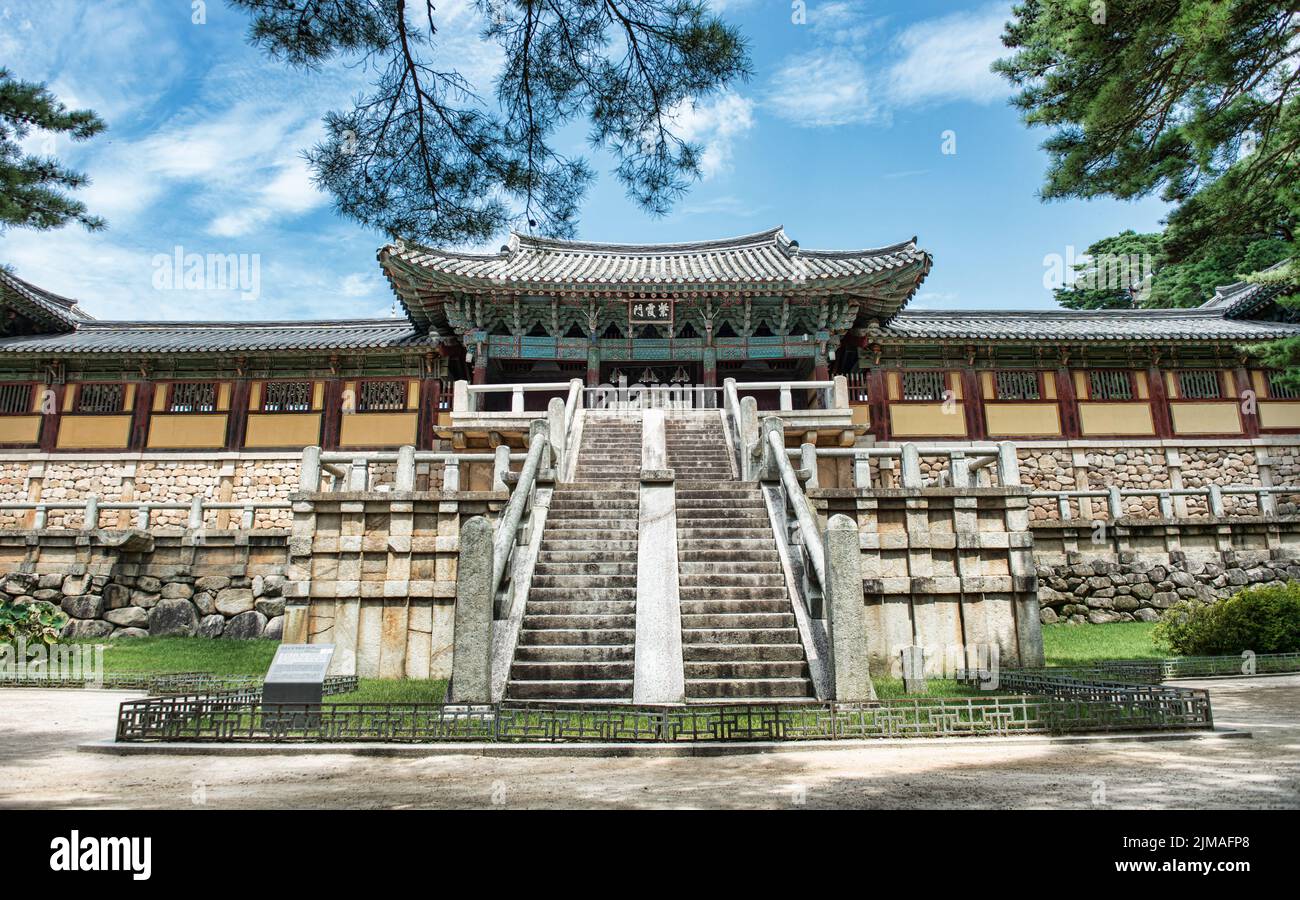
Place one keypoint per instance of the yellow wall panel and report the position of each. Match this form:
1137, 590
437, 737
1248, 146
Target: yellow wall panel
94, 432
1206, 418
377, 429
986, 385
1279, 414
1116, 418
223, 396
927, 420
255, 395
318, 395
1049, 386
20, 429
128, 399
413, 394
182, 432
282, 430
1023, 419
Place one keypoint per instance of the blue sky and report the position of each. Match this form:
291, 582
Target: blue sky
839, 136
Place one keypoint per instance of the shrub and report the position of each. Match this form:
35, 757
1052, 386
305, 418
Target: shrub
34, 621
1263, 619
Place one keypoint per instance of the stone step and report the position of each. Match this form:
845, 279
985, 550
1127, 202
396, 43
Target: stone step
730, 621
750, 688
590, 534
608, 637
735, 636
575, 653
766, 566
608, 505
549, 607
588, 519
573, 671
587, 545
595, 554
746, 669
602, 594
746, 532
570, 690
534, 621
719, 518
723, 607
704, 652
715, 592
578, 580
553, 567
732, 579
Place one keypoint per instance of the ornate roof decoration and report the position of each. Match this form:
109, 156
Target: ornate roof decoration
42, 307
881, 280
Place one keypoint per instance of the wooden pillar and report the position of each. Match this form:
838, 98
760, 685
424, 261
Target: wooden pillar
427, 418
480, 364
1159, 403
237, 415
973, 397
593, 364
144, 394
878, 401
49, 434
332, 414
710, 361
1249, 411
1068, 402
821, 370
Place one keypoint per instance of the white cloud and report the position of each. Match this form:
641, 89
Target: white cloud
716, 124
823, 88
949, 58
856, 75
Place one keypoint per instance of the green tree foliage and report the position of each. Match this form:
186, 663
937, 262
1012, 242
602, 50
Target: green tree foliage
1196, 100
422, 156
1264, 619
33, 188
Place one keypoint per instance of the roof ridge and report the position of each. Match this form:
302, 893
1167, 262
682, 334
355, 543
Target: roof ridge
256, 324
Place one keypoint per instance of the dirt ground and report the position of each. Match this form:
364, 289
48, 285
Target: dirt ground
40, 767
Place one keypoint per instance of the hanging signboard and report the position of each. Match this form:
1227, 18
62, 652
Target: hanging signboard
650, 312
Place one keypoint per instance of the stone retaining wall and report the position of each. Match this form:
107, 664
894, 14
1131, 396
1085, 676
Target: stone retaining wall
133, 584
1136, 569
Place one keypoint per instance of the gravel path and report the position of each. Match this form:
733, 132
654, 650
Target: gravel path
40, 767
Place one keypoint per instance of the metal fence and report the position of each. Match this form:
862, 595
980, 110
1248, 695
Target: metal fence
242, 718
159, 685
1155, 671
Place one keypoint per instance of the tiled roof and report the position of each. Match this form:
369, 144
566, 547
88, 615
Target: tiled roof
215, 337
884, 278
1111, 325
39, 304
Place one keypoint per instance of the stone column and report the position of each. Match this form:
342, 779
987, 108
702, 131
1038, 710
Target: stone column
846, 614
471, 664
658, 673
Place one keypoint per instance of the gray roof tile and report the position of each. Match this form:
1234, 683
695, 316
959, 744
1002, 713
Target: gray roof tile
1110, 325
213, 337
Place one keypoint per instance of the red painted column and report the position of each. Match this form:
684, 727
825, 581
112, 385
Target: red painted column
1249, 411
1159, 403
973, 397
144, 394
332, 414
1068, 403
878, 401
427, 418
49, 434
237, 415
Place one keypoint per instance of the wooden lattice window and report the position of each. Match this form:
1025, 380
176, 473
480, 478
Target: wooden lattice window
1280, 389
859, 390
192, 397
286, 396
101, 398
1199, 384
1109, 384
923, 386
382, 396
15, 398
1017, 386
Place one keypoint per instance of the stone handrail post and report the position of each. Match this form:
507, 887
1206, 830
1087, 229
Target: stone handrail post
405, 477
839, 393
462, 401
555, 422
1114, 503
359, 474
500, 466
846, 615
1216, 501
91, 518
309, 476
142, 518
451, 475
1008, 465
911, 465
471, 664
808, 463
196, 514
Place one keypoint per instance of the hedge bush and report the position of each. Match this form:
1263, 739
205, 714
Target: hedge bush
37, 621
1264, 619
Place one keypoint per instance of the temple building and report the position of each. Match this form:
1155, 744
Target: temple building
757, 308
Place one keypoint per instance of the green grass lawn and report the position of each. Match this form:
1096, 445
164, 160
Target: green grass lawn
179, 654
1066, 645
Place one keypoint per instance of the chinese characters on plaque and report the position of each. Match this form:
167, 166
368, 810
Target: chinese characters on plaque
650, 312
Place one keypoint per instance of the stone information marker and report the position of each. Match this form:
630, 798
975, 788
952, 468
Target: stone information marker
297, 674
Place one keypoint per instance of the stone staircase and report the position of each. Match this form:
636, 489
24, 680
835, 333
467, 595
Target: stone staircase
577, 639
739, 637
